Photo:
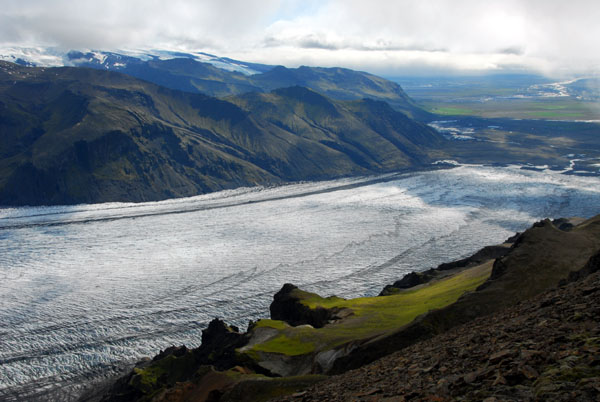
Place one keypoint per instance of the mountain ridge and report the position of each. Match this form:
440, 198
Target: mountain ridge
73, 135
221, 77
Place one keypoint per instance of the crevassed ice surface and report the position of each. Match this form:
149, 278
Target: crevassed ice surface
85, 288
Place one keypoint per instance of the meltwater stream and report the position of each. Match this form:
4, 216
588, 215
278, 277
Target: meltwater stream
84, 289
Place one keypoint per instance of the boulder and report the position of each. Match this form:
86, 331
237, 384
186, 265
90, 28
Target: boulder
219, 342
287, 306
408, 281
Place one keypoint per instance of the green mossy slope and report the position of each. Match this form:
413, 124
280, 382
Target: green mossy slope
371, 316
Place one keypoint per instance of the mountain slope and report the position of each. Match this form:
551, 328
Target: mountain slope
364, 130
221, 77
72, 135
181, 73
540, 259
337, 83
545, 349
340, 83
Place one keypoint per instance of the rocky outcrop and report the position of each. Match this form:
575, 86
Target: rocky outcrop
178, 364
413, 279
288, 306
567, 224
539, 259
593, 265
485, 254
545, 349
219, 342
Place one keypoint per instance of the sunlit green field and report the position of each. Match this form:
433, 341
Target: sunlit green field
509, 96
549, 109
371, 315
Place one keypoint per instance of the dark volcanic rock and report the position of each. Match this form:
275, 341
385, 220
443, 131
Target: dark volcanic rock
176, 351
483, 255
566, 224
287, 306
178, 364
593, 265
497, 270
219, 342
408, 281
417, 278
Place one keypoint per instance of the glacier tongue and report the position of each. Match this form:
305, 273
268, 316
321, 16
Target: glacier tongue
86, 288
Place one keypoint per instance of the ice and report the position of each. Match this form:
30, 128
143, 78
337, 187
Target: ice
55, 57
87, 288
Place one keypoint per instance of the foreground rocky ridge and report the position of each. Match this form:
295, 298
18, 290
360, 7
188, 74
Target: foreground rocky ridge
546, 348
313, 335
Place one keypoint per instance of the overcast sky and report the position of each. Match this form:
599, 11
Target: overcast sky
555, 37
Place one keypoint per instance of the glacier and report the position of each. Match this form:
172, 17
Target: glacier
87, 289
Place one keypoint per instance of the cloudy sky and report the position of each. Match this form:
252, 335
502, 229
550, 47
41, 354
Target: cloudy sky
555, 37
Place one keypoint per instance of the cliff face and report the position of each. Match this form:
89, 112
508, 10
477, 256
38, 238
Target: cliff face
310, 335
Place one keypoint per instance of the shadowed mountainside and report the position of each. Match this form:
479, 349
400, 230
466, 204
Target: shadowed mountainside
73, 135
187, 74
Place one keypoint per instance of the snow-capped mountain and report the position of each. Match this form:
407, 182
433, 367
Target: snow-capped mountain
118, 60
220, 77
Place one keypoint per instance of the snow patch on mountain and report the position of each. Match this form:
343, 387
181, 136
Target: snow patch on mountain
54, 57
32, 56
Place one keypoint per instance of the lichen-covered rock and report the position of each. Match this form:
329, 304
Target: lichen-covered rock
177, 368
219, 342
288, 306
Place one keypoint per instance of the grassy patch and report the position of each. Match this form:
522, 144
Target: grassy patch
162, 372
551, 109
453, 111
407, 303
276, 324
282, 344
146, 379
372, 315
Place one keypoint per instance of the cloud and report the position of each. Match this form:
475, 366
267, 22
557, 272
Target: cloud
387, 37
133, 23
548, 36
